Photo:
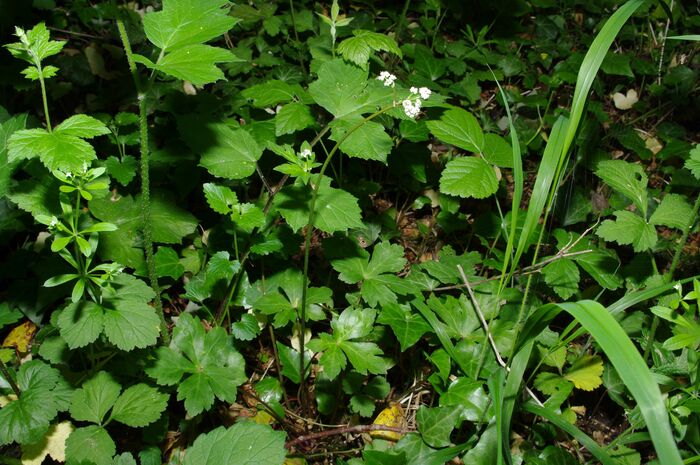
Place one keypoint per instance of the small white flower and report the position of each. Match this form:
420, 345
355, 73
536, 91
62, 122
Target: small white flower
424, 93
387, 78
306, 153
411, 108
54, 222
69, 174
414, 90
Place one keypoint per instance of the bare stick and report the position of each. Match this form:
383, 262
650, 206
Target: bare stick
344, 430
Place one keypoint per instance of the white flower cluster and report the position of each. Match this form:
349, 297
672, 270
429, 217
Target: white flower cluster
412, 105
306, 153
387, 78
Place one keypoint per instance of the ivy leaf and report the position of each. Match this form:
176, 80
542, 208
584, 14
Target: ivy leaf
357, 49
26, 420
693, 161
336, 209
626, 178
368, 141
378, 283
37, 198
244, 443
674, 212
468, 397
340, 88
459, 128
628, 229
194, 63
293, 117
602, 264
408, 327
91, 444
203, 364
586, 372
94, 399
225, 152
139, 405
469, 177
562, 276
436, 424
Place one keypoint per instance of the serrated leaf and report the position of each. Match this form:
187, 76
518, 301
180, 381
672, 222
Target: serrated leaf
139, 406
497, 151
459, 128
628, 229
627, 178
37, 198
56, 150
562, 276
469, 177
130, 324
244, 443
219, 198
52, 444
194, 63
168, 263
340, 88
293, 117
358, 49
436, 424
91, 444
408, 327
673, 211
123, 170
586, 372
271, 93
187, 22
693, 161
40, 46
83, 126
94, 399
81, 323
368, 140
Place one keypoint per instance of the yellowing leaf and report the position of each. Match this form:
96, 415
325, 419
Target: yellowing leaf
295, 461
263, 418
625, 102
20, 336
4, 400
586, 372
53, 444
392, 416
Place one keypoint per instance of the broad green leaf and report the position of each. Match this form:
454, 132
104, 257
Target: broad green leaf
91, 444
7, 128
130, 324
219, 198
194, 63
408, 327
187, 22
468, 177
271, 93
139, 406
95, 398
244, 443
367, 140
293, 117
336, 209
628, 229
168, 263
123, 170
289, 358
26, 420
57, 151
436, 424
562, 276
602, 264
83, 126
693, 162
358, 48
586, 372
468, 398
459, 128
81, 323
214, 280
628, 179
417, 452
225, 152
340, 88
497, 151
203, 364
674, 212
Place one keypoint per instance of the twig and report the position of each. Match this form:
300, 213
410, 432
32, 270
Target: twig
344, 430
485, 325
663, 46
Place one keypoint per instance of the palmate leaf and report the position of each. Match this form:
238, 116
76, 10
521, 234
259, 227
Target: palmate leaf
139, 405
358, 49
40, 45
436, 424
469, 177
408, 327
586, 372
245, 443
628, 179
673, 211
205, 365
563, 277
629, 229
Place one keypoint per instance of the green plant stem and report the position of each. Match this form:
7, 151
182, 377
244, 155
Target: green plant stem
679, 249
6, 374
44, 100
307, 247
296, 37
129, 54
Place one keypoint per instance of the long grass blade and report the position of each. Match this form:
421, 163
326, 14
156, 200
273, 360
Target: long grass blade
511, 392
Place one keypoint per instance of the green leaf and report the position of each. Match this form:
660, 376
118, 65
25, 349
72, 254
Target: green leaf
194, 63
468, 177
83, 126
225, 152
57, 151
94, 399
497, 151
289, 358
586, 372
628, 229
628, 179
693, 161
39, 45
336, 209
90, 445
168, 263
436, 424
271, 93
244, 443
7, 128
293, 117
379, 284
468, 398
367, 140
220, 198
562, 276
206, 362
408, 327
139, 406
81, 323
674, 212
26, 419
459, 128
187, 22
123, 170
357, 49
129, 324
340, 88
